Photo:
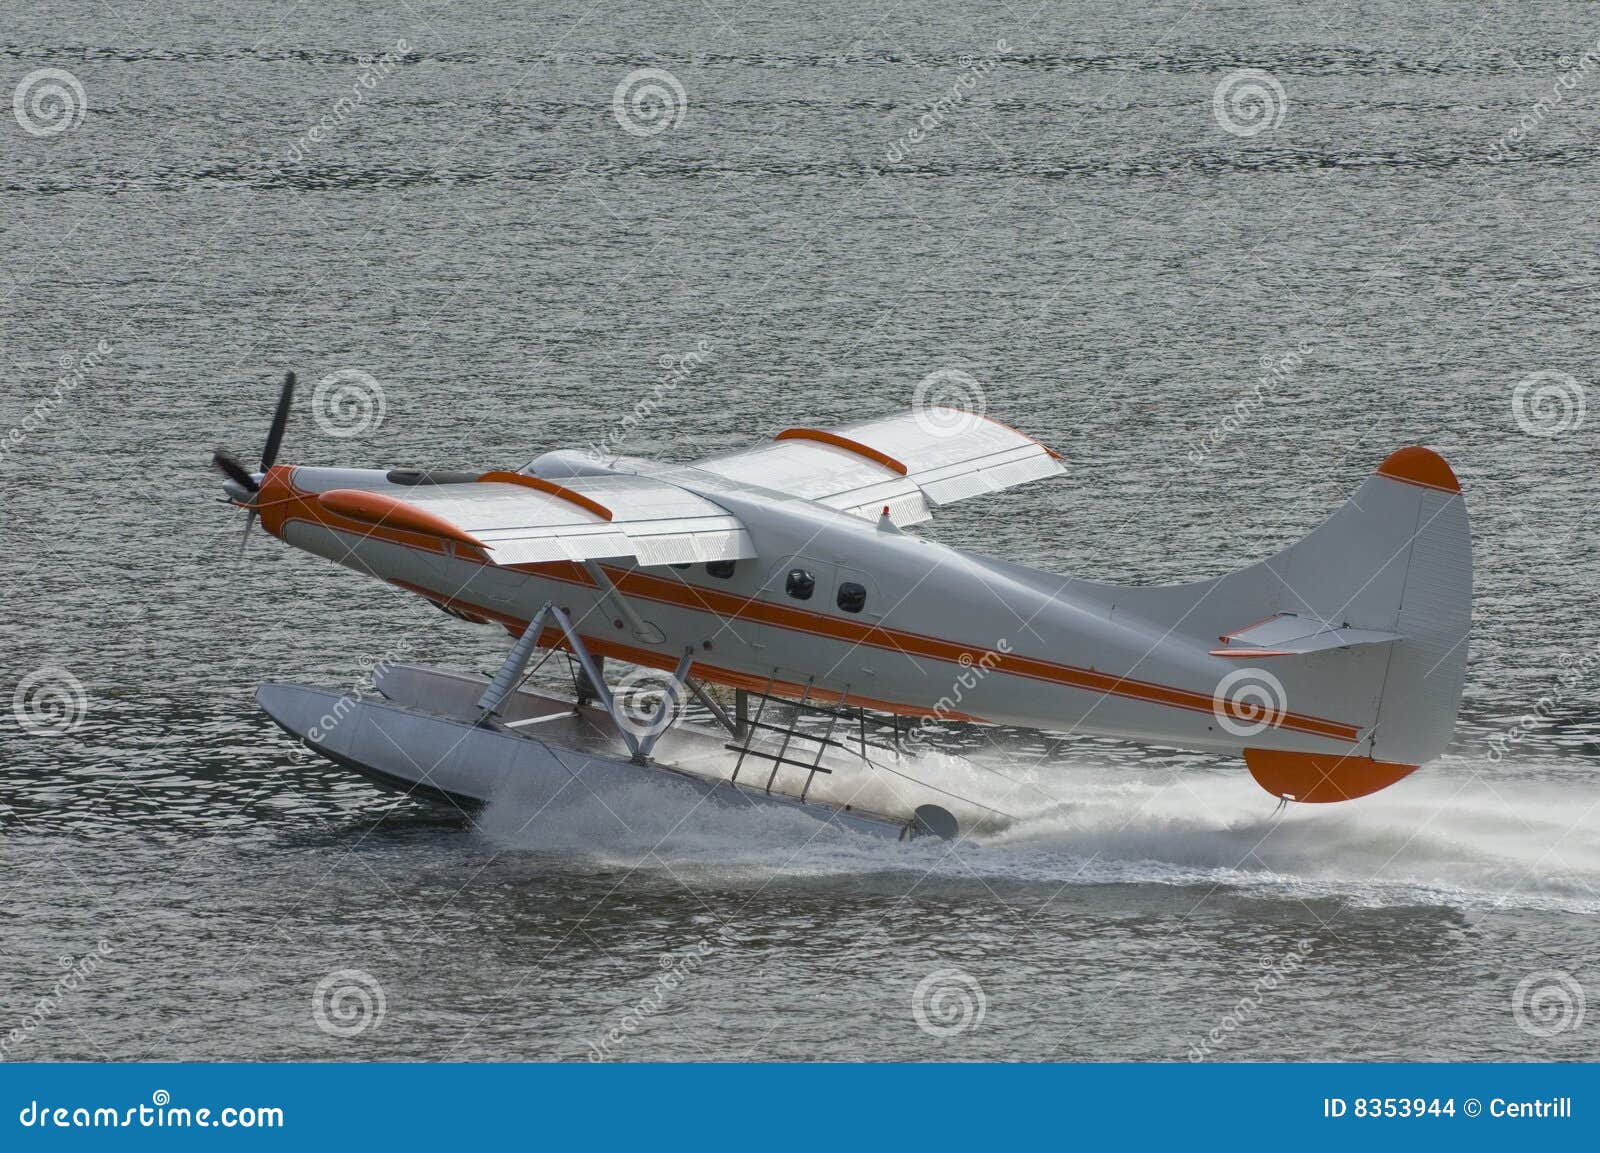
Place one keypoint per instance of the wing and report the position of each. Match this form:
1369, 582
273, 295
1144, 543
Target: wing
905, 462
518, 519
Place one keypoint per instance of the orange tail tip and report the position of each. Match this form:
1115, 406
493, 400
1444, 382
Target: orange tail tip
1318, 778
1420, 466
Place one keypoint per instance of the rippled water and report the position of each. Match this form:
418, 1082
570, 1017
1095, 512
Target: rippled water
1080, 234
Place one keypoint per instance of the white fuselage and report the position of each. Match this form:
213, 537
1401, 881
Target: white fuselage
892, 621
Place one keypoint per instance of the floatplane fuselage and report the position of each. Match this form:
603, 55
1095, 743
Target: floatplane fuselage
1335, 667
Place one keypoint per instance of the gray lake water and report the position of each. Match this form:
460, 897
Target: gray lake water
1113, 251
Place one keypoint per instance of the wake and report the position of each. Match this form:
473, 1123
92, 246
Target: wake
1450, 835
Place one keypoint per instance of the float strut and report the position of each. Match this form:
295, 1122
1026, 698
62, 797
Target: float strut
505, 681
715, 709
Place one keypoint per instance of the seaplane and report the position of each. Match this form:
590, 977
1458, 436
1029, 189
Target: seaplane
787, 575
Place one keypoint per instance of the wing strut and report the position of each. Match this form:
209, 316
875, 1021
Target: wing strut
642, 629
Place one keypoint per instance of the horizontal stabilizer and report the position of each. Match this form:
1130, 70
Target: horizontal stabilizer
1289, 635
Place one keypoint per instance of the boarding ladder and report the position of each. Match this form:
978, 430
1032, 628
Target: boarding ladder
790, 750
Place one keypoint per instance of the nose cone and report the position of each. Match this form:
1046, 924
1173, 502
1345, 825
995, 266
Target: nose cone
277, 498
238, 493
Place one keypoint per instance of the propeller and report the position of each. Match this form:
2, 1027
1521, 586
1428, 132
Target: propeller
231, 467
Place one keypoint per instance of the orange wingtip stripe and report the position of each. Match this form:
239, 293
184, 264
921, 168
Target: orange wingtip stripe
550, 488
1420, 466
822, 436
1320, 778
1050, 452
376, 509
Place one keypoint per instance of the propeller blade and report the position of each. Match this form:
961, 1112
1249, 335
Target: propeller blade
249, 523
280, 421
229, 465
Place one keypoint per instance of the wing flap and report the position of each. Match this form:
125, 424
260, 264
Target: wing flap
907, 462
905, 508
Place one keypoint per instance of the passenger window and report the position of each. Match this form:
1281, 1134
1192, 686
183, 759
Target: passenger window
800, 584
852, 597
721, 569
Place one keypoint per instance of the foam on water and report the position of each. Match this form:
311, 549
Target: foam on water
1447, 836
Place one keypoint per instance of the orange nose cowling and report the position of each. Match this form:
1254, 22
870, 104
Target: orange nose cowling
274, 499
1318, 778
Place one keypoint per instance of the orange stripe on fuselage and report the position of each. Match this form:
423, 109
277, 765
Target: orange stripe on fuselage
730, 606
679, 593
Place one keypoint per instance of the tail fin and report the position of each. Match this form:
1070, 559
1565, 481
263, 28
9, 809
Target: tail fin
1389, 578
